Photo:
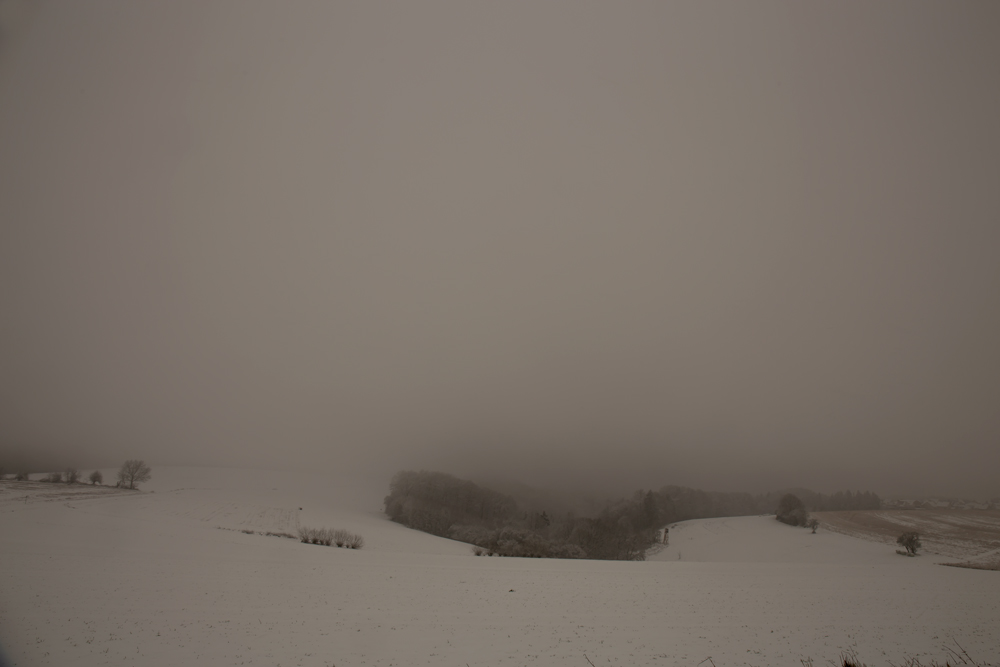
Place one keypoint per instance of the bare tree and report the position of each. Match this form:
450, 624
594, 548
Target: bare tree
71, 476
22, 476
96, 477
132, 472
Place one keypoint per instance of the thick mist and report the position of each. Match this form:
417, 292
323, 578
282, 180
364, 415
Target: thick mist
581, 245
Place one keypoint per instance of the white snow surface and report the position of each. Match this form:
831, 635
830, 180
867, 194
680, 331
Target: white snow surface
165, 577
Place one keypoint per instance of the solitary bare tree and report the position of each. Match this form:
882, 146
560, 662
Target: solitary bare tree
96, 477
132, 472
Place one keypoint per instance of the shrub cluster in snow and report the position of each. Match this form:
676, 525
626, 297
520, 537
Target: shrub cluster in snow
514, 542
792, 511
910, 541
329, 537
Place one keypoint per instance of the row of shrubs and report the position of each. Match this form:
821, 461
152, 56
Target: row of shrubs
518, 551
514, 542
71, 476
131, 473
329, 537
266, 533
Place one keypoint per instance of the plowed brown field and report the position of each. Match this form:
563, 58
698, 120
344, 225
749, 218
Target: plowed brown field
972, 537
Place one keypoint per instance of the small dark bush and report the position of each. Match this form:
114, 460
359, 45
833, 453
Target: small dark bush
22, 477
96, 477
54, 477
910, 541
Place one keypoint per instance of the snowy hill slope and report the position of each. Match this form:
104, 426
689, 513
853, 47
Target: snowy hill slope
150, 579
280, 502
762, 539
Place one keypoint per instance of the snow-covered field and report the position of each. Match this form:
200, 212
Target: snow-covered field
168, 578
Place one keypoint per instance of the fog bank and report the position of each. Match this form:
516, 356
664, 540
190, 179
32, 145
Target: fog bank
734, 246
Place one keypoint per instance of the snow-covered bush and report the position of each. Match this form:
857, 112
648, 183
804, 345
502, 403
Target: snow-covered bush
483, 537
328, 537
792, 511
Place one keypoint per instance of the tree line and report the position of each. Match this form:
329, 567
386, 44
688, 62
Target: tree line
444, 505
447, 506
131, 473
698, 504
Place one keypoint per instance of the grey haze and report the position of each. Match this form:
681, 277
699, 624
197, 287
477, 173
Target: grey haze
732, 245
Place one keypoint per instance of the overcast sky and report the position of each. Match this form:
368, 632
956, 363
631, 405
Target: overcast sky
736, 245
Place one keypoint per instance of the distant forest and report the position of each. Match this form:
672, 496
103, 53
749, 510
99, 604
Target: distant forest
458, 509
